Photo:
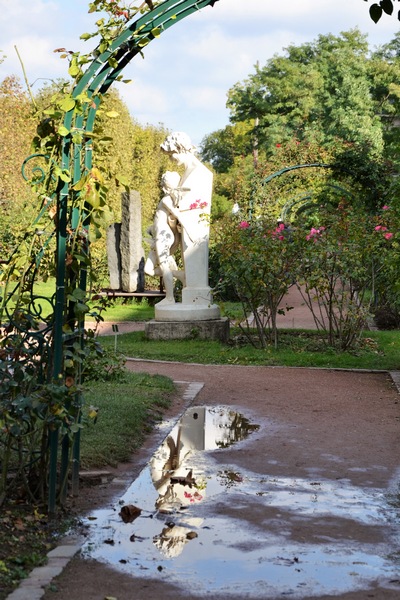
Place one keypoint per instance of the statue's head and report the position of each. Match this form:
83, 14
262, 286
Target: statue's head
177, 143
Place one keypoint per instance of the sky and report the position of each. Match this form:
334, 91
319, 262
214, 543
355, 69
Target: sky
183, 79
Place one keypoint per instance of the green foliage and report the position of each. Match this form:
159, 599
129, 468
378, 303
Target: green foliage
320, 88
338, 261
101, 364
331, 92
17, 129
257, 258
334, 251
43, 358
221, 147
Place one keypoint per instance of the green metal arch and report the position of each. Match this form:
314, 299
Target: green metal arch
301, 201
77, 157
96, 80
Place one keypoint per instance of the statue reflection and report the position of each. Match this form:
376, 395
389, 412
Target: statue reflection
181, 484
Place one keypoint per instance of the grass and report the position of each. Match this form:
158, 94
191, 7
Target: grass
128, 310
378, 350
127, 410
119, 309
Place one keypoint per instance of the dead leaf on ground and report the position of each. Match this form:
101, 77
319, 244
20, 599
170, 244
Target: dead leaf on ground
129, 513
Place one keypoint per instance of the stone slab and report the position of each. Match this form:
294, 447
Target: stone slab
216, 329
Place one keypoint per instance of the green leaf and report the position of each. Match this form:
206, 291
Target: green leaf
67, 104
113, 63
80, 184
63, 131
143, 42
86, 36
76, 427
156, 32
65, 175
112, 114
74, 69
122, 179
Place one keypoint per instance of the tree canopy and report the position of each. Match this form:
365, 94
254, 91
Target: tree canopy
329, 89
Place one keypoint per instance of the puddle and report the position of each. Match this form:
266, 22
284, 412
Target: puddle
236, 532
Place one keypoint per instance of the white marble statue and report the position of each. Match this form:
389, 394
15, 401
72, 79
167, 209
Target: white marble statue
185, 210
166, 236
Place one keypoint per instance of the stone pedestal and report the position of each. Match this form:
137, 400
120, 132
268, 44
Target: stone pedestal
114, 255
186, 312
215, 329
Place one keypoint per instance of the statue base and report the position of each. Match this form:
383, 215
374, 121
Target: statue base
215, 329
178, 311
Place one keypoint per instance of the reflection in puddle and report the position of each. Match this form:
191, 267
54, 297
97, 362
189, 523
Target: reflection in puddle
194, 522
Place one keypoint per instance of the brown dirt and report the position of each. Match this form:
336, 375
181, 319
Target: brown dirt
315, 424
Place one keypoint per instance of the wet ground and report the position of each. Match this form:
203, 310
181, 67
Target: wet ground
277, 483
192, 524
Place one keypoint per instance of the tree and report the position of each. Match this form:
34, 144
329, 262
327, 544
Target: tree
320, 90
221, 147
385, 92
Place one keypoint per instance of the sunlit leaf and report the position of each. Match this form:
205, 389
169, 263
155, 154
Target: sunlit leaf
67, 104
63, 131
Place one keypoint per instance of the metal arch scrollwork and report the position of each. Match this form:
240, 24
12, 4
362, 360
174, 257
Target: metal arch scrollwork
36, 169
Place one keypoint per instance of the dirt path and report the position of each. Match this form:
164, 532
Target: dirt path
306, 495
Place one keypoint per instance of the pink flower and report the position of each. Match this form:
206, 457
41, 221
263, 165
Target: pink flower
244, 224
314, 233
388, 235
380, 228
386, 207
197, 204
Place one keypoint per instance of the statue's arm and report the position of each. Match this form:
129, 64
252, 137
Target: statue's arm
169, 206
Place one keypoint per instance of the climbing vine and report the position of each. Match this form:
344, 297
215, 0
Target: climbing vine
42, 354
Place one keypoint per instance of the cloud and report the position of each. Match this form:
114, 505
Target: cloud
144, 98
201, 97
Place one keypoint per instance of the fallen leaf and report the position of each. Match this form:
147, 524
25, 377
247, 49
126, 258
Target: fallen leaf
129, 513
